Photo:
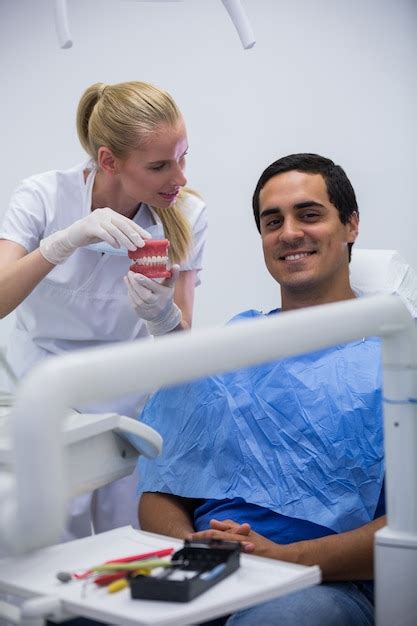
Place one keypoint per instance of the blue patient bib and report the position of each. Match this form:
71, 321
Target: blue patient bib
302, 436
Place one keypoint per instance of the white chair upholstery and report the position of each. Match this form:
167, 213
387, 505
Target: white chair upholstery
384, 272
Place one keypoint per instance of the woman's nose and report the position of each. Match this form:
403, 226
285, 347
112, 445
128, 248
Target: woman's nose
178, 178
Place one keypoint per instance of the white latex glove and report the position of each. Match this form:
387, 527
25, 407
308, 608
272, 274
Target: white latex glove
154, 302
101, 225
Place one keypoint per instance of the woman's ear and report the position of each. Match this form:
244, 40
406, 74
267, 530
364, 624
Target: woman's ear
106, 160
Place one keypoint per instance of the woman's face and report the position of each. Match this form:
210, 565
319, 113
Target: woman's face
154, 173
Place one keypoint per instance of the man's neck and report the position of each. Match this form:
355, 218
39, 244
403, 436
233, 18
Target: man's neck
294, 299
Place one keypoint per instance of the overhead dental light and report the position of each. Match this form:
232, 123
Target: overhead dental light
233, 7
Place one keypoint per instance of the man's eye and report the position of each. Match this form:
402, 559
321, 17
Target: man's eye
310, 216
156, 168
274, 223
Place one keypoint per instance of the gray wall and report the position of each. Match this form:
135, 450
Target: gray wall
326, 76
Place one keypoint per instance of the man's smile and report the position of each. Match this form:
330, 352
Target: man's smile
295, 256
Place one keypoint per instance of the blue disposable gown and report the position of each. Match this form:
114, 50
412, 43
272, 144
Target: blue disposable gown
302, 436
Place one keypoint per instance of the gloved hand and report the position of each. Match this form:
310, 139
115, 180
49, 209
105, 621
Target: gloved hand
101, 225
154, 302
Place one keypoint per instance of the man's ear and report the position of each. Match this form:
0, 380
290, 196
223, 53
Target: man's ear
106, 160
353, 227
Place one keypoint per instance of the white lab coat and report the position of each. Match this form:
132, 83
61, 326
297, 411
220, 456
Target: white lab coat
80, 304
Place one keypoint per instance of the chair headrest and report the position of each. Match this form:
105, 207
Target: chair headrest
384, 271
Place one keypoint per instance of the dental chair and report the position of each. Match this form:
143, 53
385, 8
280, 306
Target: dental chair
100, 448
43, 449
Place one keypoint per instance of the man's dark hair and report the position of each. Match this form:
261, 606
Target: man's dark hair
339, 188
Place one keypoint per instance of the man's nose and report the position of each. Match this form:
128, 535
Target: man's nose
291, 230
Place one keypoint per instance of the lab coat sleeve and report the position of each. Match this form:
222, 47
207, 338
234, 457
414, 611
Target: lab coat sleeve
25, 218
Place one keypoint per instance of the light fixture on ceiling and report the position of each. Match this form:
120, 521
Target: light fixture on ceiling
241, 22
233, 7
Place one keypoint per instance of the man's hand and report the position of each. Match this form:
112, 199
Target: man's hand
251, 542
343, 556
228, 525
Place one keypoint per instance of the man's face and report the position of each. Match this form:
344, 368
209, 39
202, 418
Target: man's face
304, 241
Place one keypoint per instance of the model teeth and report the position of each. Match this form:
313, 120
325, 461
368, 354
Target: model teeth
294, 257
152, 260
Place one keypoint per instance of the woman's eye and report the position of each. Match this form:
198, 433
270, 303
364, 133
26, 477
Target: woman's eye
156, 168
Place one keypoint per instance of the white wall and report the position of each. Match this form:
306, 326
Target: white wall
326, 76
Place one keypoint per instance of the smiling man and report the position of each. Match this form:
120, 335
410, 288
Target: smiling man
308, 219
285, 457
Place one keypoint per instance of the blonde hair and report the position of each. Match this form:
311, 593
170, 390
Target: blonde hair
122, 117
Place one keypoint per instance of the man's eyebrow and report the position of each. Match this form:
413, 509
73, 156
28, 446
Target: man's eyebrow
271, 211
300, 205
306, 204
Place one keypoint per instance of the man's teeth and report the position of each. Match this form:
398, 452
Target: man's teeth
152, 260
294, 257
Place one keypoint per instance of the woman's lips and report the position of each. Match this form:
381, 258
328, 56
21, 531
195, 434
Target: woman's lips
169, 196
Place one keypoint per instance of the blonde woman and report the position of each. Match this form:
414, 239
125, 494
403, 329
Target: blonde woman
68, 289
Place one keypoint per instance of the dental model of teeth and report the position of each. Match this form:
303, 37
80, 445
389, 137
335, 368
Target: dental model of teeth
152, 259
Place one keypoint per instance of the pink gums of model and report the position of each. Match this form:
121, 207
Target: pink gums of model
151, 260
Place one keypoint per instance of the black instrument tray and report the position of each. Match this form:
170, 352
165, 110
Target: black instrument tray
197, 566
